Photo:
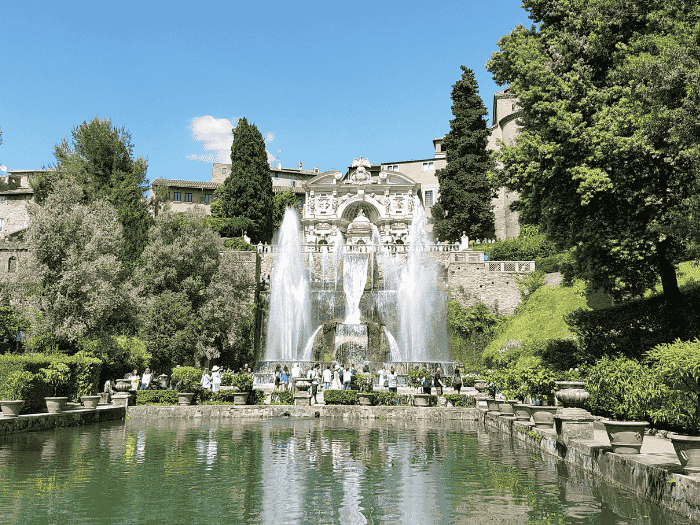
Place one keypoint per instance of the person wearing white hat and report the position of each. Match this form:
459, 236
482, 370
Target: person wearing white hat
215, 379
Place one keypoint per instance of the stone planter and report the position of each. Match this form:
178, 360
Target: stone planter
572, 394
365, 398
11, 408
120, 399
302, 399
688, 451
90, 402
543, 416
421, 400
522, 412
55, 404
184, 398
506, 408
493, 405
625, 436
240, 398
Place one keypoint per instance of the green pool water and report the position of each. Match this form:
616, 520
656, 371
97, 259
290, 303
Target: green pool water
316, 471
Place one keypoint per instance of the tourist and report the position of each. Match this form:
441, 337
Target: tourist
336, 379
135, 379
438, 381
109, 386
215, 379
347, 378
327, 377
427, 381
380, 374
284, 378
457, 381
391, 380
146, 379
296, 372
278, 378
315, 381
206, 380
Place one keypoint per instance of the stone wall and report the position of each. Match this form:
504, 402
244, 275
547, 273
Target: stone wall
13, 210
69, 418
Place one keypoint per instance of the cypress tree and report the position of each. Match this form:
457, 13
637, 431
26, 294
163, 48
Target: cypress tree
466, 192
247, 192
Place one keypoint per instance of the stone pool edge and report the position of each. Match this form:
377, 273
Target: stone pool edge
67, 418
654, 477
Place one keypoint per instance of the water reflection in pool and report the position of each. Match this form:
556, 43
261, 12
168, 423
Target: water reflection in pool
297, 471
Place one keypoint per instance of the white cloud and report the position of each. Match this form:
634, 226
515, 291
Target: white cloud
216, 137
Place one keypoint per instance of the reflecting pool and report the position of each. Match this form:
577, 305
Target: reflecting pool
298, 471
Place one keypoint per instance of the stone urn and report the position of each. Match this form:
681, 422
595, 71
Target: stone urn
506, 409
55, 405
688, 451
572, 394
365, 398
481, 386
122, 385
543, 416
625, 436
184, 398
522, 412
421, 400
11, 408
90, 402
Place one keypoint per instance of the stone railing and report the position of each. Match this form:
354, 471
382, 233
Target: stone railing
510, 266
364, 248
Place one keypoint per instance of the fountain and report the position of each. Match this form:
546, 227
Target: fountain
369, 295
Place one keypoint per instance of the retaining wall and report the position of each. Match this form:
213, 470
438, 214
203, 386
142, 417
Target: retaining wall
69, 418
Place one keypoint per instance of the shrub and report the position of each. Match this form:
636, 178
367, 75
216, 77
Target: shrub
284, 397
528, 246
340, 397
56, 374
619, 389
242, 382
468, 381
416, 377
538, 381
238, 244
256, 397
156, 397
391, 399
186, 378
17, 385
365, 381
461, 400
677, 368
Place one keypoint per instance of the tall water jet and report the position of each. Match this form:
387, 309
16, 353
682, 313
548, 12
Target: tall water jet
354, 281
421, 305
290, 315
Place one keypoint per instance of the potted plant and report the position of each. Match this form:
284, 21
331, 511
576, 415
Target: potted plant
56, 375
242, 385
13, 391
618, 389
677, 368
539, 384
187, 381
366, 383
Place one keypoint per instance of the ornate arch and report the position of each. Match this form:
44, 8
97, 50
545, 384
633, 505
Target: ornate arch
349, 210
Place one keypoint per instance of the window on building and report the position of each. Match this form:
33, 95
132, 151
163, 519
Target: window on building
392, 167
188, 197
223, 170
2, 198
208, 198
2, 224
428, 166
176, 196
12, 264
428, 198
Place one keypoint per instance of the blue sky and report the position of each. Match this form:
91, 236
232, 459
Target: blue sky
325, 82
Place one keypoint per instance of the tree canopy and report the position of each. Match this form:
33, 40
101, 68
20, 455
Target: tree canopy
247, 192
99, 158
466, 192
607, 161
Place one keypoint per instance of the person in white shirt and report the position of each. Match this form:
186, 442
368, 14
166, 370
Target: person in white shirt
391, 378
206, 380
347, 378
327, 377
215, 379
146, 379
381, 377
296, 372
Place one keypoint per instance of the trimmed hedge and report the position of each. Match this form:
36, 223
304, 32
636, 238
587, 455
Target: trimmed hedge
460, 400
82, 381
156, 397
340, 397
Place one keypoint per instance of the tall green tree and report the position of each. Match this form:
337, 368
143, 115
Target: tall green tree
99, 157
247, 192
608, 158
282, 201
466, 190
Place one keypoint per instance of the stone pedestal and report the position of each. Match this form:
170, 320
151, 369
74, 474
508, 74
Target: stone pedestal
481, 401
302, 398
105, 398
120, 399
574, 423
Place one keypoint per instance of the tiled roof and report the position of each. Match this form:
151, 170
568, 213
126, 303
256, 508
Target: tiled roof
409, 161
179, 183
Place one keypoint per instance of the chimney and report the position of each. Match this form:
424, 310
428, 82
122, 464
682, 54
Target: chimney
300, 166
